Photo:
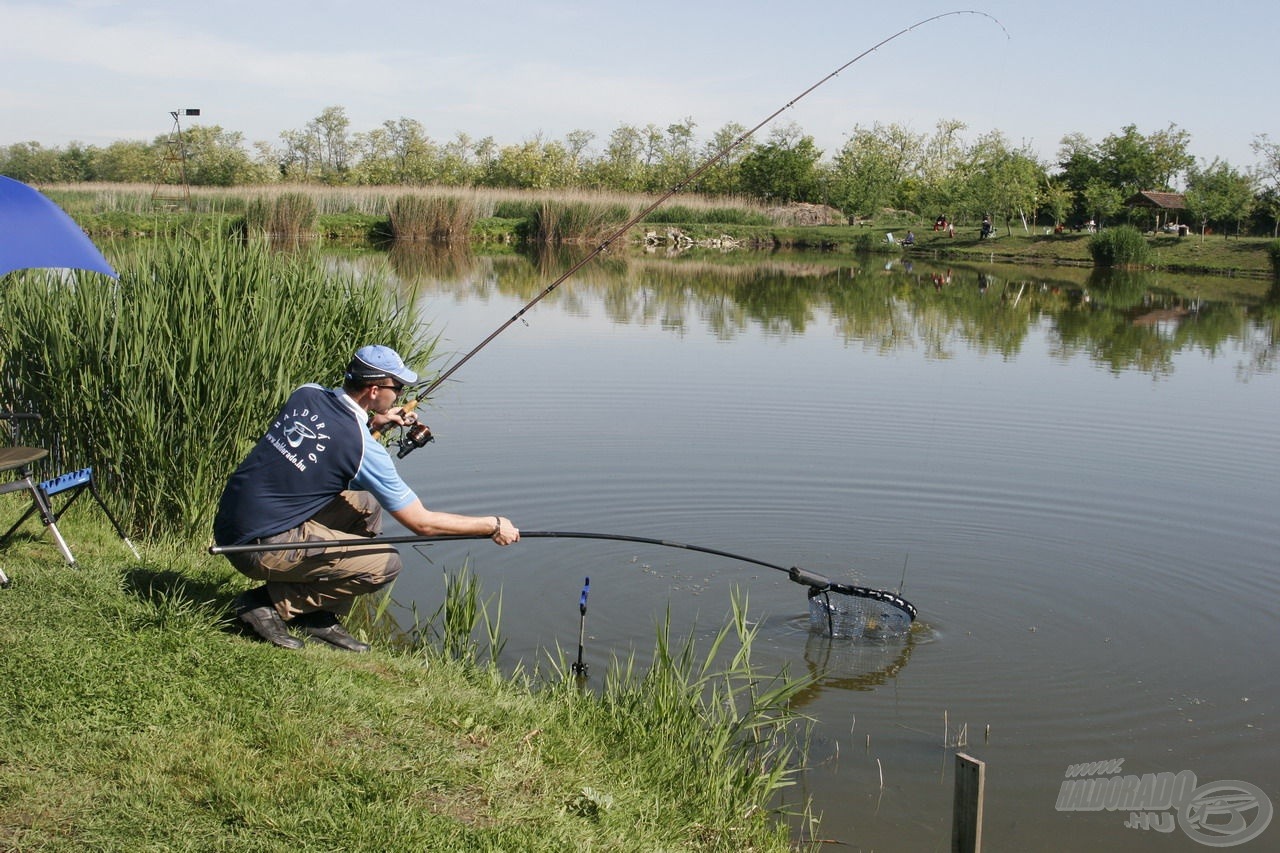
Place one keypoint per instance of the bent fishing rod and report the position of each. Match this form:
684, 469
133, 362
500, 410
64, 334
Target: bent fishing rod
684, 182
817, 583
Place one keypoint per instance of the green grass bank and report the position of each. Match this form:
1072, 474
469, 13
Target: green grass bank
139, 718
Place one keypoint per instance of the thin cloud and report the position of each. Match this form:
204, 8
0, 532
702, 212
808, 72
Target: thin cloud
151, 51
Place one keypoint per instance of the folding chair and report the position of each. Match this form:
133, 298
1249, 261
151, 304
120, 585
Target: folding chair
20, 460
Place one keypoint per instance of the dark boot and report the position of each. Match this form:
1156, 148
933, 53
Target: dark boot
255, 609
324, 626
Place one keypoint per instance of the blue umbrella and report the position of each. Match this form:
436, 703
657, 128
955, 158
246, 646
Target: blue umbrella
35, 232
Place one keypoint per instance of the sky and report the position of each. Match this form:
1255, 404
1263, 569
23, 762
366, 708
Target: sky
101, 71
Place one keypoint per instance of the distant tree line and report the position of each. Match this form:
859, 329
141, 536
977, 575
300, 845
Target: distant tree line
881, 167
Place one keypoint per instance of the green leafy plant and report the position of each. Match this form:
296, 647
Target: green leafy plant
1123, 245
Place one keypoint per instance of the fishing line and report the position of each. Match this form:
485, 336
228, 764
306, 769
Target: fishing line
684, 182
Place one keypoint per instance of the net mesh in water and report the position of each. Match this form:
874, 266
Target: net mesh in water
842, 615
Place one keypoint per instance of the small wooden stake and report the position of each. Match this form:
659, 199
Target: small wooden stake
966, 817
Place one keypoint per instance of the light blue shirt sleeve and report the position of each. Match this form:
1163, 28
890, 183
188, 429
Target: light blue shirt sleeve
378, 476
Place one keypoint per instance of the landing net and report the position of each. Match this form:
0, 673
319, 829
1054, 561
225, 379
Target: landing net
859, 613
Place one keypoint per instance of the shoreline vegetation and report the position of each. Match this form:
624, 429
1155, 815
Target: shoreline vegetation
376, 215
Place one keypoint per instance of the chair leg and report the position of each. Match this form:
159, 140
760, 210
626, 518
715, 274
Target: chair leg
51, 521
46, 515
97, 496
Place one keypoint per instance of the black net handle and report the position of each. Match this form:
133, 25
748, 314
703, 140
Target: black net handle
818, 584
881, 595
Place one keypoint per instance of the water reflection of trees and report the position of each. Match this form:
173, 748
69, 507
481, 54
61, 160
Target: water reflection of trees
1265, 355
1120, 320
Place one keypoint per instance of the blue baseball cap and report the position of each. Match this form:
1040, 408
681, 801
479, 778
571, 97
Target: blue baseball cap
379, 362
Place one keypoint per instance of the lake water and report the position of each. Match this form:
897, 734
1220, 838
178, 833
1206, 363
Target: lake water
1075, 480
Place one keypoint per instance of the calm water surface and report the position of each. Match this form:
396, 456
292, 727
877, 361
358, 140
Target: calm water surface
1078, 481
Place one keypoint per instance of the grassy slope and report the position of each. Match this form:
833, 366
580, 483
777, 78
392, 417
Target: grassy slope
137, 718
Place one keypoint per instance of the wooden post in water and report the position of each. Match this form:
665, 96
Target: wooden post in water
966, 816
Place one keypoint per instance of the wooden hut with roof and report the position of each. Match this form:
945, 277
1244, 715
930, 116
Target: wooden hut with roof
1164, 204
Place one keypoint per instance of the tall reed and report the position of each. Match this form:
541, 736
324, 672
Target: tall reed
565, 221
432, 217
284, 215
163, 380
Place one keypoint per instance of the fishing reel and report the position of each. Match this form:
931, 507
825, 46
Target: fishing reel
413, 437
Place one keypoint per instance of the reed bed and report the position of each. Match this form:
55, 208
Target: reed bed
285, 215
87, 199
683, 214
401, 214
102, 197
419, 217
567, 221
163, 380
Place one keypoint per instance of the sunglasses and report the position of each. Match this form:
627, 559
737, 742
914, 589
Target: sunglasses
399, 389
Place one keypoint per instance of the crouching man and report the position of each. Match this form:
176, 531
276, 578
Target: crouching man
318, 475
